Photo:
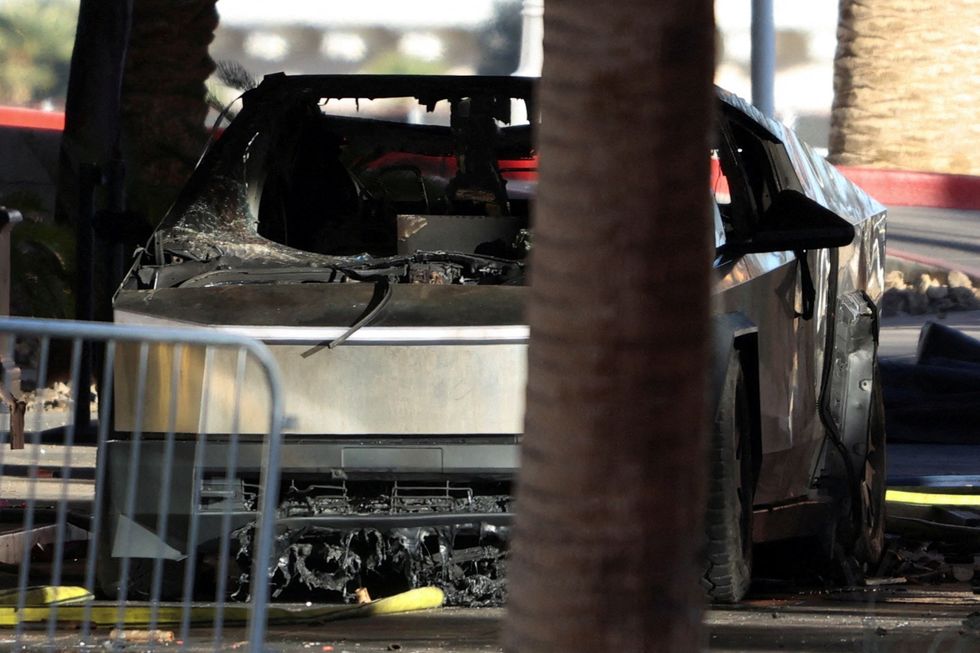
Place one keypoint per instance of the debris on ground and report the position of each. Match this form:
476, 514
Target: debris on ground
916, 562
920, 562
56, 397
142, 636
884, 582
362, 596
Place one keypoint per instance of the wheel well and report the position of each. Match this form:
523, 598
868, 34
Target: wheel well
747, 346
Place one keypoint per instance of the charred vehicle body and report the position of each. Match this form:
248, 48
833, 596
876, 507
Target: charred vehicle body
384, 261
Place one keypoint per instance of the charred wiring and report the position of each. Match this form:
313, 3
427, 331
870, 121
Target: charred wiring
467, 560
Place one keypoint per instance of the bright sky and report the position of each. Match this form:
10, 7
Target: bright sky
817, 17
341, 13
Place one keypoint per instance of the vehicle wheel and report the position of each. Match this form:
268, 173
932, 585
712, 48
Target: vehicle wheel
728, 523
870, 542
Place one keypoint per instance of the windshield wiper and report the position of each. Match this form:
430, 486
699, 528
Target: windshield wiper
379, 299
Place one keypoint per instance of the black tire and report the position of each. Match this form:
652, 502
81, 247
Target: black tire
728, 522
870, 543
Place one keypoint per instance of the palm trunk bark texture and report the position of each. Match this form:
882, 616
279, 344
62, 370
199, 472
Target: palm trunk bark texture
164, 106
907, 85
608, 532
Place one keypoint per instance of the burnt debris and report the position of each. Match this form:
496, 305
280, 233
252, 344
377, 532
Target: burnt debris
467, 560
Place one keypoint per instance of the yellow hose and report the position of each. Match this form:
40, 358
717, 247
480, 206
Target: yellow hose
63, 601
932, 498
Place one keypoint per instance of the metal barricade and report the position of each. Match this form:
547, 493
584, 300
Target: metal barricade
186, 476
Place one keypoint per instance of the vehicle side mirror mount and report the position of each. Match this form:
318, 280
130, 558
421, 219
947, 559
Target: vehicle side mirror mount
795, 222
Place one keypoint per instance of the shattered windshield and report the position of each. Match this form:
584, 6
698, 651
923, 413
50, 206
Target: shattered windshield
320, 180
426, 188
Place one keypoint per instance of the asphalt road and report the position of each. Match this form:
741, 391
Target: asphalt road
946, 235
800, 624
859, 622
893, 620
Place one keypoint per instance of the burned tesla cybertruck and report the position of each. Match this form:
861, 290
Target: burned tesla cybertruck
383, 257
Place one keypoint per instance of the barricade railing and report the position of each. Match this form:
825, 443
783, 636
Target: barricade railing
9, 375
183, 486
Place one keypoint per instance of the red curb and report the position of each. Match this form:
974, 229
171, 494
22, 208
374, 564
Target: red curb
32, 119
928, 261
908, 188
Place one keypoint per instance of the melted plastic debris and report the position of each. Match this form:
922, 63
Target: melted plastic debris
298, 504
467, 563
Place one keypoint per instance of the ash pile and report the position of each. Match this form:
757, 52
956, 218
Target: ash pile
329, 543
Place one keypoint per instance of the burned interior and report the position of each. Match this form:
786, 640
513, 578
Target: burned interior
352, 198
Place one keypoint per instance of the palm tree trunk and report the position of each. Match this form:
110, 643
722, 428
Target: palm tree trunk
907, 85
91, 138
609, 524
92, 110
164, 105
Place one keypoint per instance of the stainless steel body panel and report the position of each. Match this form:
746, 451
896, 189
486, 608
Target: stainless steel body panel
409, 389
462, 232
443, 360
767, 288
789, 374
853, 372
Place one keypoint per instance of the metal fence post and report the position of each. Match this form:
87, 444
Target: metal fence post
9, 372
8, 218
763, 56
90, 178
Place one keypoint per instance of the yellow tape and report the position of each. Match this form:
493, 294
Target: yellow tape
48, 600
932, 499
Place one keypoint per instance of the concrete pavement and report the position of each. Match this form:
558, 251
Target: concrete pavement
947, 235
